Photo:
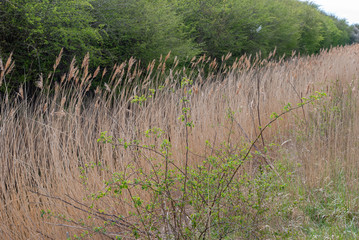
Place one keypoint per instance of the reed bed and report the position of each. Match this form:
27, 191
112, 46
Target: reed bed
45, 140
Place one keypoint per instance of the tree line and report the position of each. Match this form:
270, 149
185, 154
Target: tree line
115, 30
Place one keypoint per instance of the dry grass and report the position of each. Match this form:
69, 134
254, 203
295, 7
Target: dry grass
44, 142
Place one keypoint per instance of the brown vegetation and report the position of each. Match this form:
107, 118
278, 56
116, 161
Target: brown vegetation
45, 141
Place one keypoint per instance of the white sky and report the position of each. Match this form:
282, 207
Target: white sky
348, 9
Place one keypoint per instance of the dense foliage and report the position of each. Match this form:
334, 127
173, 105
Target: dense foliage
114, 30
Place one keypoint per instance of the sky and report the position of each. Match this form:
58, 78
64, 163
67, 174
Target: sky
348, 9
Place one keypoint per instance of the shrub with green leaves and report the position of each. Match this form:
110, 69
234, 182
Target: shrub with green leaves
160, 198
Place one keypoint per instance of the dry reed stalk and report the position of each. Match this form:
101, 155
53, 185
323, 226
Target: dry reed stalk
58, 59
9, 66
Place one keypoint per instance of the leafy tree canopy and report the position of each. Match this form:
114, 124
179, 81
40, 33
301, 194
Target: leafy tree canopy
115, 30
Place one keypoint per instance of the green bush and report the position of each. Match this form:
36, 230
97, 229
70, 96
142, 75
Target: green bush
215, 198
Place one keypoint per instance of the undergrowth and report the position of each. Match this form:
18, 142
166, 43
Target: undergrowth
213, 199
183, 159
